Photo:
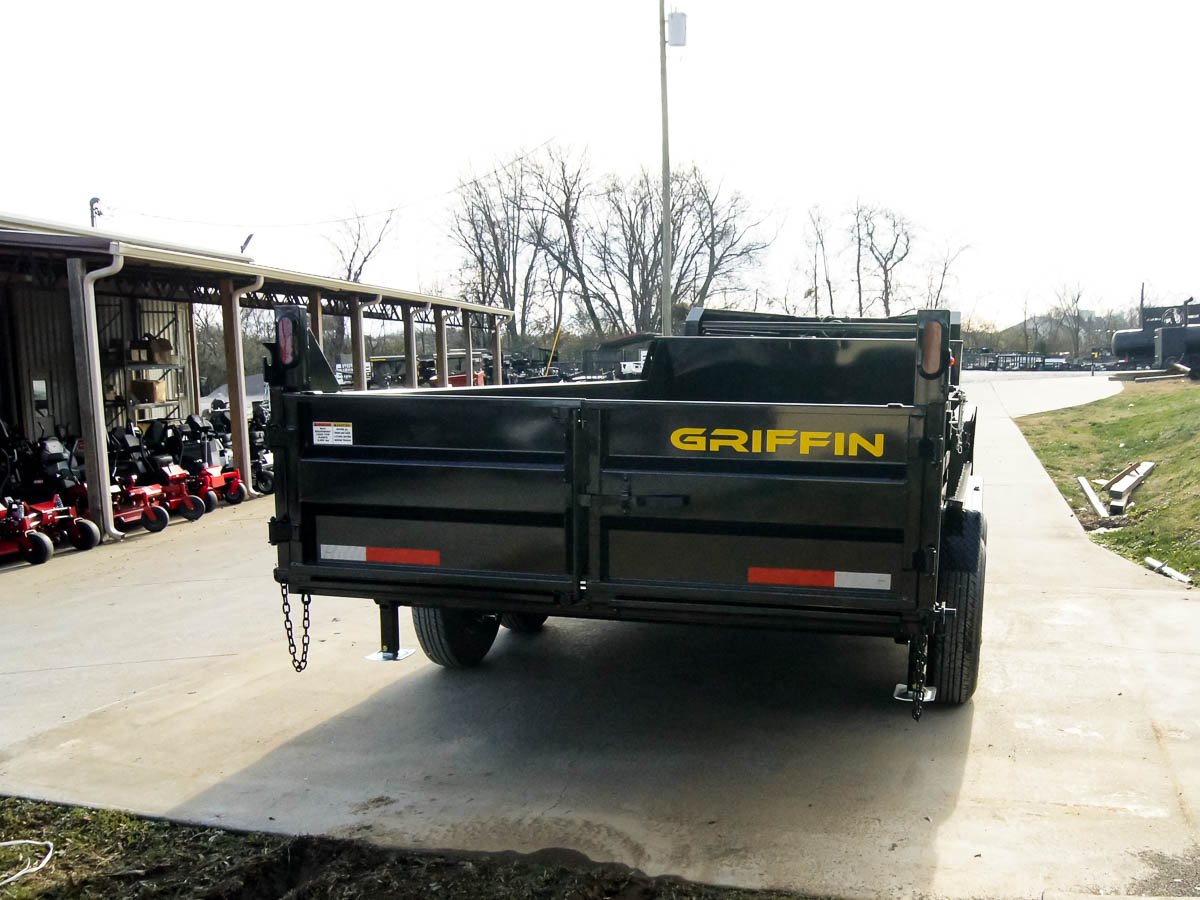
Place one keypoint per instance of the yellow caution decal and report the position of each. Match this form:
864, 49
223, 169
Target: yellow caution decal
778, 440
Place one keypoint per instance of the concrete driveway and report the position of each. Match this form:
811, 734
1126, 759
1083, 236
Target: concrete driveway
153, 676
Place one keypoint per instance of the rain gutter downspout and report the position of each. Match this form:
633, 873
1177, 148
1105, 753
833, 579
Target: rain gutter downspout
97, 438
241, 436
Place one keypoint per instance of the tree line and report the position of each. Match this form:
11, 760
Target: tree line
564, 248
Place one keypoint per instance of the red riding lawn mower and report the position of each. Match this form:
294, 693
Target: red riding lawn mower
36, 519
157, 463
136, 499
202, 454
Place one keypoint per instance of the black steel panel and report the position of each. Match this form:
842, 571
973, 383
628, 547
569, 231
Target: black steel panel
862, 371
459, 546
513, 487
725, 559
763, 498
423, 419
741, 433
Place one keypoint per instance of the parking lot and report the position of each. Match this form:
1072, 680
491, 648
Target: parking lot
153, 676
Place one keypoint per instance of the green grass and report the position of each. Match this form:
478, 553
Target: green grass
1159, 422
104, 854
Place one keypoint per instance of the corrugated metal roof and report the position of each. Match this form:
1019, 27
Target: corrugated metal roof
67, 239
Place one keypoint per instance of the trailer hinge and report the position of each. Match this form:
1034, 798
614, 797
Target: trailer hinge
925, 559
280, 531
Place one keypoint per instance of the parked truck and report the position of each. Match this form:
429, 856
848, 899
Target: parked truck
765, 471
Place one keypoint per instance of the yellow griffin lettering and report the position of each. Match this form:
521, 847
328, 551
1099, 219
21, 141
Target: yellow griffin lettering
689, 439
778, 440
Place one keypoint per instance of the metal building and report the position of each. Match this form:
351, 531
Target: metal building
98, 330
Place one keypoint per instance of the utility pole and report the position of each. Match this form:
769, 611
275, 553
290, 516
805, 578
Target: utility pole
676, 38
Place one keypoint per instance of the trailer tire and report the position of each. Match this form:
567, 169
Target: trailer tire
86, 535
155, 518
192, 507
454, 638
210, 500
41, 548
954, 662
523, 623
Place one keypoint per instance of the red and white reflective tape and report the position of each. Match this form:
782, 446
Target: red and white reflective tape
823, 578
401, 556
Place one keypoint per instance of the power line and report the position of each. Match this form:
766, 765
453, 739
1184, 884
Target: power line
338, 221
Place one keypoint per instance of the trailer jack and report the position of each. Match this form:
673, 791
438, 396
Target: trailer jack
916, 692
389, 634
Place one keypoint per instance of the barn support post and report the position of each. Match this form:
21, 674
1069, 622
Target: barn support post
193, 360
497, 359
443, 349
316, 317
234, 370
469, 344
410, 346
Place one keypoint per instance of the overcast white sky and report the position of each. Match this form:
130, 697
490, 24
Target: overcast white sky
1058, 140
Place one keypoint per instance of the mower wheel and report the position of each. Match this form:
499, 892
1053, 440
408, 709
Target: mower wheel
236, 495
264, 482
192, 507
210, 500
85, 536
41, 548
156, 518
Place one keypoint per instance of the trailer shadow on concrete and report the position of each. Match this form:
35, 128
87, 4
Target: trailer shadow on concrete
733, 756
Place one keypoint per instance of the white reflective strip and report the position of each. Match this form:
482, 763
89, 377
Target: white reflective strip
344, 552
869, 581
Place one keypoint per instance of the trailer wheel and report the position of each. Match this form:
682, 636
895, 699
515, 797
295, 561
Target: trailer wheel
155, 518
41, 548
85, 536
192, 507
236, 495
954, 663
454, 638
211, 500
523, 623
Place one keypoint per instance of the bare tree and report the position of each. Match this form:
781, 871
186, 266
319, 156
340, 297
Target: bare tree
355, 243
714, 244
718, 239
820, 261
1070, 317
935, 277
628, 255
562, 187
858, 235
503, 234
888, 239
813, 291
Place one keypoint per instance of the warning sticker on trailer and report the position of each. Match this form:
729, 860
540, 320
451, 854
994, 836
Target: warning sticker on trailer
333, 433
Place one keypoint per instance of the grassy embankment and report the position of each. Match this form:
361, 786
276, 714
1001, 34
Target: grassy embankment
1159, 422
103, 855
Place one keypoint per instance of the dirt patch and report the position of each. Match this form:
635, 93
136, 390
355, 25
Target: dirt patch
1172, 876
106, 854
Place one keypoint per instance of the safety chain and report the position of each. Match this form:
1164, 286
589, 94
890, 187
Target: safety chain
921, 656
299, 661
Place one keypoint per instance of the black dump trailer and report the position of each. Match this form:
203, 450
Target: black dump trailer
765, 471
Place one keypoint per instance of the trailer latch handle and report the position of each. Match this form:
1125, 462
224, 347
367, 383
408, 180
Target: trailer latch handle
662, 501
